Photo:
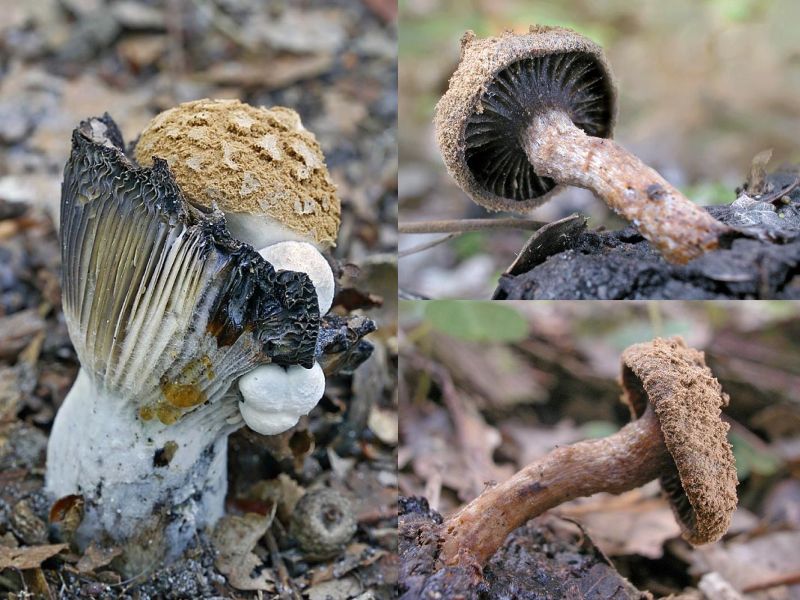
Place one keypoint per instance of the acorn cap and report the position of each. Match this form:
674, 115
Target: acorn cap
323, 523
499, 85
687, 400
250, 161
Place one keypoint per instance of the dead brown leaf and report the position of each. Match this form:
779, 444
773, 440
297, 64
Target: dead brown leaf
28, 557
748, 563
97, 556
17, 331
479, 368
383, 423
277, 73
632, 523
758, 173
234, 539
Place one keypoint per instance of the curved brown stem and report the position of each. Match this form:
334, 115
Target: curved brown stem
680, 229
630, 458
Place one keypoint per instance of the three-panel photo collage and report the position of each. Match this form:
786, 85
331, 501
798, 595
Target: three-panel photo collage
400, 299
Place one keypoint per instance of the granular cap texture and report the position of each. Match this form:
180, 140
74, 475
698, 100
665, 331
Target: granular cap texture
248, 160
500, 84
687, 400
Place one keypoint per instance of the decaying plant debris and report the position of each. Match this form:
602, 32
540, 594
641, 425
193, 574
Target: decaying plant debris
135, 60
477, 410
547, 558
568, 261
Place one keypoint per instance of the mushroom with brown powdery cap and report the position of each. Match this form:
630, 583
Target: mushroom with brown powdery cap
260, 166
526, 113
167, 312
676, 436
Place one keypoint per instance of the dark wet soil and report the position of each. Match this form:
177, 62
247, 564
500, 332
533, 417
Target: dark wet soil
567, 261
546, 558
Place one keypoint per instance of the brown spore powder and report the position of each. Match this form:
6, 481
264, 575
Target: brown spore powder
258, 161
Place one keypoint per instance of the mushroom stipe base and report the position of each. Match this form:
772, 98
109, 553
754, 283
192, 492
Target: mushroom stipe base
548, 557
136, 494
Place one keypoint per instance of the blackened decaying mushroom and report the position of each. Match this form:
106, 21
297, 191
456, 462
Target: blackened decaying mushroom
266, 173
526, 113
166, 311
676, 436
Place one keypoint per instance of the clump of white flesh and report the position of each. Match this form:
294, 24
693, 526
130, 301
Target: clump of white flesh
260, 231
305, 258
274, 397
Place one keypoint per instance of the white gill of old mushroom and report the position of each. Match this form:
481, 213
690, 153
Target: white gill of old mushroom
165, 311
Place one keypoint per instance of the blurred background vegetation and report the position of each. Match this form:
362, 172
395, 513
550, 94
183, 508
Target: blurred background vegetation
487, 387
704, 86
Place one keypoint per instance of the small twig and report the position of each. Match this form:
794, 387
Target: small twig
426, 246
285, 587
778, 580
781, 193
464, 225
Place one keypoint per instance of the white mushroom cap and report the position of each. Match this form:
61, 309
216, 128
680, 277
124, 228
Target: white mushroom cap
275, 397
305, 258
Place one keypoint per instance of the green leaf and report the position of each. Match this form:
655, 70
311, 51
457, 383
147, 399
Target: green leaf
752, 460
469, 244
596, 430
476, 321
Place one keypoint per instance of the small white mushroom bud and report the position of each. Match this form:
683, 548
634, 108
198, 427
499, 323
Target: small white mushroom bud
275, 397
305, 258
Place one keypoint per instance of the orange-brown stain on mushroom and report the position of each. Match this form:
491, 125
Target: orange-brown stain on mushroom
181, 394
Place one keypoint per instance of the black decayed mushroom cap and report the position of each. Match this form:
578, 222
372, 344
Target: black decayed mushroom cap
157, 295
500, 84
687, 400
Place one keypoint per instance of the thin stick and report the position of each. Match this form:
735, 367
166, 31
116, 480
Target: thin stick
778, 580
285, 586
426, 246
463, 225
780, 193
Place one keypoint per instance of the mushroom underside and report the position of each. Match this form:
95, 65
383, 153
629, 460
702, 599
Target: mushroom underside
574, 82
162, 305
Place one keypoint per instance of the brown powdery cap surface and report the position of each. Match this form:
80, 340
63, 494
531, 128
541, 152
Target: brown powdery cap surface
258, 161
687, 400
499, 85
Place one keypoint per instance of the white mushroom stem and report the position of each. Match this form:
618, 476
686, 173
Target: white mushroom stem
274, 397
304, 258
149, 485
260, 231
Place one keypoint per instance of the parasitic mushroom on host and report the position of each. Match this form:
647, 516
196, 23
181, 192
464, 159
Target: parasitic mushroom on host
527, 113
260, 166
166, 311
267, 174
676, 436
